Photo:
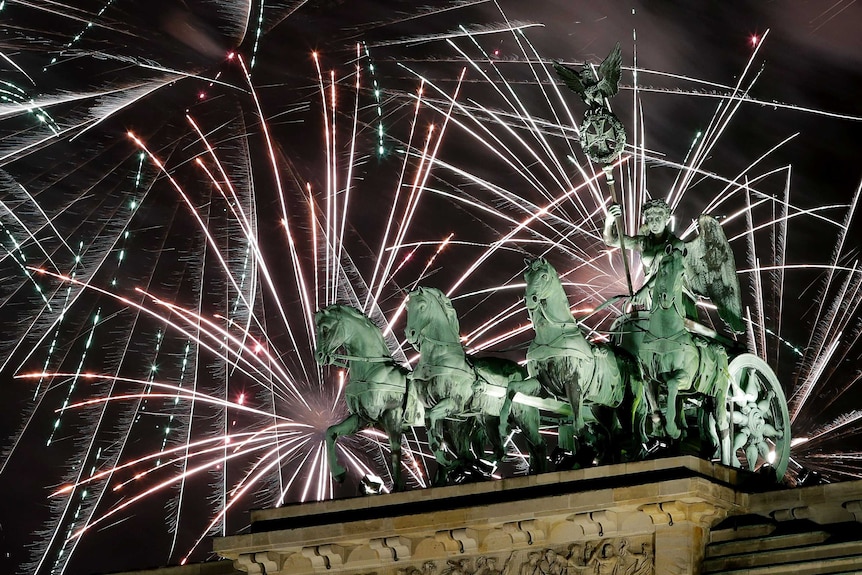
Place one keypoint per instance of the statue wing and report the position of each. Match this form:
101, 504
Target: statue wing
571, 78
711, 271
610, 71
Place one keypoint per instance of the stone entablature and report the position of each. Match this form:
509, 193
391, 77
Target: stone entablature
671, 516
643, 517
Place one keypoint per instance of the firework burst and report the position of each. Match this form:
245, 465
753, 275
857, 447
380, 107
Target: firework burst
170, 229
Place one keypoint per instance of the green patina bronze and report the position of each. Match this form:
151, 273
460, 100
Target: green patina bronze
662, 372
603, 136
452, 385
672, 357
634, 388
708, 264
570, 367
759, 417
745, 412
376, 389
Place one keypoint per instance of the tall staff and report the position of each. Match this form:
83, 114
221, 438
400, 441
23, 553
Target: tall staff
603, 136
618, 221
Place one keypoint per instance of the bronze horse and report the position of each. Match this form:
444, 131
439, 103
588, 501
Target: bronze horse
376, 389
568, 366
673, 358
452, 385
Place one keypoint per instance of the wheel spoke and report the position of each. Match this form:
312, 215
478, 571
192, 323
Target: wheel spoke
759, 408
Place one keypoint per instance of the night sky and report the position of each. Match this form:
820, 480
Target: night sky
81, 199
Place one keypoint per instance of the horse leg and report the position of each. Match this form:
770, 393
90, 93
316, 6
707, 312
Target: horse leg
575, 395
636, 411
462, 441
347, 427
392, 424
525, 386
652, 407
434, 416
606, 420
723, 424
527, 419
492, 427
679, 380
470, 444
670, 416
650, 390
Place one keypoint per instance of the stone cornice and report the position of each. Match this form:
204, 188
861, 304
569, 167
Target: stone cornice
491, 520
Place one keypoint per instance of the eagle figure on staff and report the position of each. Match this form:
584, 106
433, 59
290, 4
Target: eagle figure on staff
603, 136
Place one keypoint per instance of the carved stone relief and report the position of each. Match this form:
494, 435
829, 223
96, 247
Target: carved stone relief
428, 568
603, 557
607, 556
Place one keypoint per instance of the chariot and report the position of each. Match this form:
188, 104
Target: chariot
668, 378
755, 431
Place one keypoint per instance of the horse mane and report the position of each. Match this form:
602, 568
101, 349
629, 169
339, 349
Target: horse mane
355, 313
557, 293
448, 310
366, 322
349, 310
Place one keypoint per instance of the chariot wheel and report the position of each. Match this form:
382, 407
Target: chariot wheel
758, 417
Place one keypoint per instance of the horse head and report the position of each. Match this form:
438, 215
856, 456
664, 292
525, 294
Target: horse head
426, 308
669, 278
330, 333
343, 325
542, 282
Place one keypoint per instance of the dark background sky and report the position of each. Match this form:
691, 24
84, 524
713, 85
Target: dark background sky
811, 59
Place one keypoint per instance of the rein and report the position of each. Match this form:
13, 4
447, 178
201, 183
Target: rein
543, 311
434, 369
341, 356
422, 336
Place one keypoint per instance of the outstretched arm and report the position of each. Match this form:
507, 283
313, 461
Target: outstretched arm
610, 235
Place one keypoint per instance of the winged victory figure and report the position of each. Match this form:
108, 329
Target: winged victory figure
710, 268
